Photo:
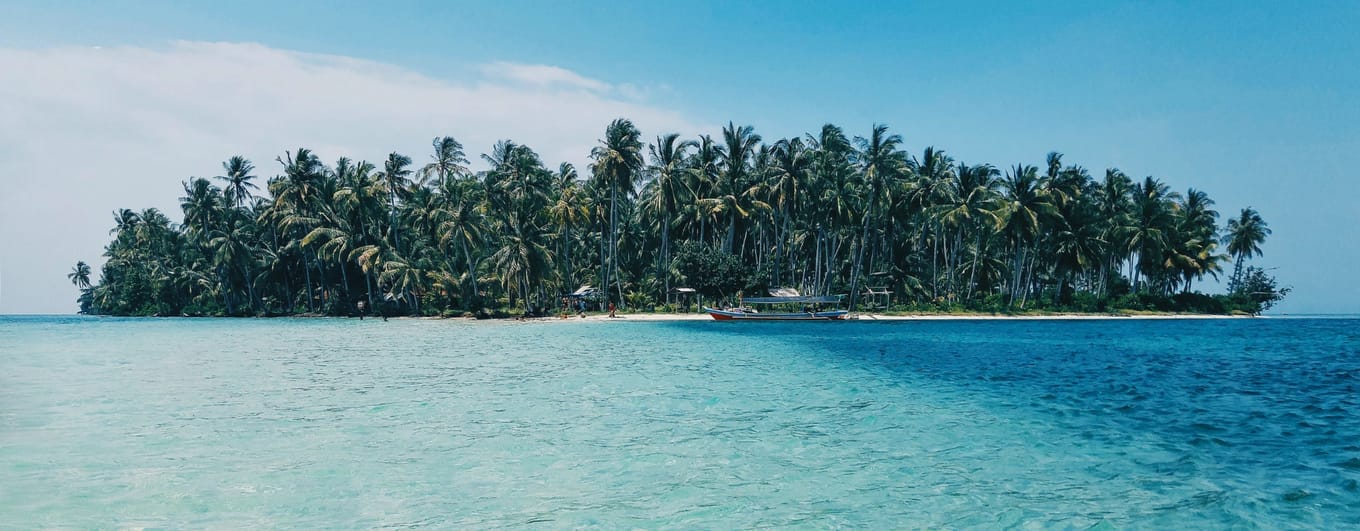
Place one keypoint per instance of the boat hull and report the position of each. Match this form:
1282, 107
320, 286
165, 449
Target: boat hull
725, 315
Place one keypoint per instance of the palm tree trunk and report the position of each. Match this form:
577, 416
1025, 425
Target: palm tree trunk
307, 273
321, 269
472, 272
566, 256
934, 259
663, 267
604, 259
972, 275
344, 277
613, 238
731, 230
859, 258
392, 221
368, 284
226, 290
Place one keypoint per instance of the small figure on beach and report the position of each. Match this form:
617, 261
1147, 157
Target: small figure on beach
361, 310
611, 310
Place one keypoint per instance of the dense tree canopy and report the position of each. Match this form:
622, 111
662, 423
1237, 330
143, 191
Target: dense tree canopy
826, 213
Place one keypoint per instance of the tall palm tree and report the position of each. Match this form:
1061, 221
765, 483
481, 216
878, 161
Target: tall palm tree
792, 163
202, 207
233, 258
881, 163
570, 210
463, 225
833, 199
448, 160
80, 275
739, 147
521, 259
296, 194
618, 160
1245, 235
701, 177
667, 192
395, 175
1150, 233
1025, 207
972, 206
933, 185
1114, 205
237, 177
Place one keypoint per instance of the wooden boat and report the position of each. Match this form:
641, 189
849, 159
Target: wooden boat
739, 314
810, 308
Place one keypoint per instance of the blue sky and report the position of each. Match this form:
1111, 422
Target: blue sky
1254, 103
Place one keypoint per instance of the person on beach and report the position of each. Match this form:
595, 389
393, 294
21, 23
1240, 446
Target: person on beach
361, 310
611, 310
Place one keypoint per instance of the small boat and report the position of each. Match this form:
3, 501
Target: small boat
810, 306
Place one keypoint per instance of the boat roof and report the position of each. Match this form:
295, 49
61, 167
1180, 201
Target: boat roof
798, 299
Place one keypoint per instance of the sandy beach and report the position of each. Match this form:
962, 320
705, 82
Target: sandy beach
654, 317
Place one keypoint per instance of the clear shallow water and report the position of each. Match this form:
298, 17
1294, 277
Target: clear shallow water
341, 424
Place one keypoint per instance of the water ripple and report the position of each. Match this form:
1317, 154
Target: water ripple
415, 424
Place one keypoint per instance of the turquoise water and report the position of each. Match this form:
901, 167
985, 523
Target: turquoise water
283, 423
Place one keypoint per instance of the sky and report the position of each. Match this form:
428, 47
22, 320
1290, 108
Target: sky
112, 104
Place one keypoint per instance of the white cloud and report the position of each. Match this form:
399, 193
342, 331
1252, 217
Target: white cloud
543, 75
84, 131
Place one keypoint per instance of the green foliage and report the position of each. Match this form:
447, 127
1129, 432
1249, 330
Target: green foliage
1257, 291
828, 213
710, 271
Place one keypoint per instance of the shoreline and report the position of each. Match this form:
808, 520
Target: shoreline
866, 317
658, 317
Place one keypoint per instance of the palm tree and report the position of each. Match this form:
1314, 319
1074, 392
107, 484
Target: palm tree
237, 178
666, 192
1193, 250
1114, 205
1245, 235
80, 275
233, 258
833, 199
296, 193
124, 220
395, 175
1149, 235
355, 202
568, 211
972, 206
521, 259
933, 185
618, 160
880, 164
1025, 207
406, 281
448, 160
739, 147
462, 223
202, 208
701, 177
788, 175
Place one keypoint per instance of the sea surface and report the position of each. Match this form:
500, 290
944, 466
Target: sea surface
340, 423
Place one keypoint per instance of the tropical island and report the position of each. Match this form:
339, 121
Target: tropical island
826, 213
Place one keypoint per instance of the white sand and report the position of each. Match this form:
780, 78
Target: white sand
652, 317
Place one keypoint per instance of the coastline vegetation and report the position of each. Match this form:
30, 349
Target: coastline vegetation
825, 213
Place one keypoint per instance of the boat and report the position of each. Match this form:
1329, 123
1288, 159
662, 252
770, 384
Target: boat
785, 296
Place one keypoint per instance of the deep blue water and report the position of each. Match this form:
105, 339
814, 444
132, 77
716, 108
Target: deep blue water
341, 423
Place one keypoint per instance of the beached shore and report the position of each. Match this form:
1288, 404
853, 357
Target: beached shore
652, 317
